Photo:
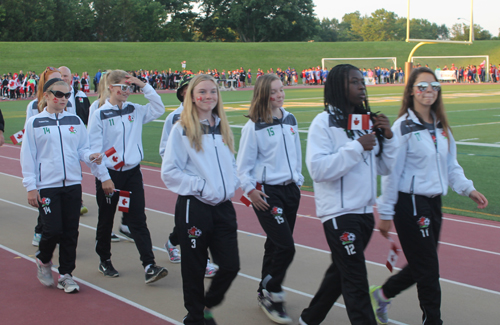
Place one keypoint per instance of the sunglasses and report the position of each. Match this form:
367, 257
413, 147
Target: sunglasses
422, 86
123, 87
60, 94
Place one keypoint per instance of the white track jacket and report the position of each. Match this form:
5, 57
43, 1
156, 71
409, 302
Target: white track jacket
344, 174
111, 126
208, 174
270, 153
421, 167
52, 149
171, 119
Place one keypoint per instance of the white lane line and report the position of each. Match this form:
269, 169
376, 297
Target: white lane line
165, 251
490, 145
263, 237
109, 293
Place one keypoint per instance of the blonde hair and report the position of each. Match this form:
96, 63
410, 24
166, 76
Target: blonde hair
43, 79
190, 120
103, 85
43, 102
260, 107
111, 77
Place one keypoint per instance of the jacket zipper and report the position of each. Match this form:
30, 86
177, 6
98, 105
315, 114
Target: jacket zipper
140, 152
286, 150
342, 191
123, 125
413, 196
62, 150
437, 158
220, 168
40, 171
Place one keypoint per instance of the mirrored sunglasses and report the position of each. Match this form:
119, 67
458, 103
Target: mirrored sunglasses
60, 94
422, 86
123, 87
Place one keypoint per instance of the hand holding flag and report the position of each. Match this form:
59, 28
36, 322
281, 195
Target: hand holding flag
393, 255
96, 157
256, 197
359, 122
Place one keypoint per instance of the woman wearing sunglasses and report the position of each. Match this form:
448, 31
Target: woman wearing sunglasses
55, 142
118, 124
411, 194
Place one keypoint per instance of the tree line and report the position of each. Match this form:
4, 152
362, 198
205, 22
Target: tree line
206, 20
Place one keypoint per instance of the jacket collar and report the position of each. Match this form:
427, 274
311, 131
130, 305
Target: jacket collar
414, 118
53, 115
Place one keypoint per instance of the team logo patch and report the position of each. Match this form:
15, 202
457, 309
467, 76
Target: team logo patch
276, 211
347, 238
45, 202
130, 118
424, 222
72, 130
80, 99
291, 129
444, 135
194, 232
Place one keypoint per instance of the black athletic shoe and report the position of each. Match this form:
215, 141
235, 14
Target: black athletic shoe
125, 232
107, 269
114, 237
155, 273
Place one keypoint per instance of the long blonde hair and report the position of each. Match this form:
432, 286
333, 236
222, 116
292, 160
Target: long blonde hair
190, 120
260, 107
43, 79
103, 85
111, 77
437, 107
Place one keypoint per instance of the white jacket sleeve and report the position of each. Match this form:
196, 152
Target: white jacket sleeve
95, 142
390, 183
387, 160
155, 108
456, 177
298, 148
323, 164
174, 164
29, 112
28, 158
247, 157
167, 127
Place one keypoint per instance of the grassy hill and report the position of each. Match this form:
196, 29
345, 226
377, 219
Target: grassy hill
82, 56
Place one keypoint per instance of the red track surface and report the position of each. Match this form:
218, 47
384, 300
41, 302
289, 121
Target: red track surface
25, 301
468, 246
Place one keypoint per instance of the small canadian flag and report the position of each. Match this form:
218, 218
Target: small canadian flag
114, 158
124, 201
245, 199
17, 137
359, 122
393, 256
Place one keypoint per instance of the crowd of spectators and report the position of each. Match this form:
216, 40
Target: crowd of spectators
22, 86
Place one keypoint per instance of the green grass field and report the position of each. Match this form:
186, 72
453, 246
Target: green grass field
473, 111
82, 56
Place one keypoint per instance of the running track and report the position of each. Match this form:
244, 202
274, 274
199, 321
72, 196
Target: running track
468, 246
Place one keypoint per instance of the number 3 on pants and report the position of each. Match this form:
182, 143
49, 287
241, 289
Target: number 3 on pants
193, 243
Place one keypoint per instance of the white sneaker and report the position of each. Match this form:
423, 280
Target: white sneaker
45, 273
210, 270
36, 239
173, 253
67, 284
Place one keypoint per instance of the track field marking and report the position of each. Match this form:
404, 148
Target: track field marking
305, 294
106, 292
261, 236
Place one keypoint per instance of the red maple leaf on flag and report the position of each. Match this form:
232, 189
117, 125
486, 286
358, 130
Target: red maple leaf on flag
356, 121
115, 158
124, 202
20, 136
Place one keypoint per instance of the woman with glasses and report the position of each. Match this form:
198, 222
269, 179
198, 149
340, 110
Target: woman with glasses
55, 142
411, 195
118, 124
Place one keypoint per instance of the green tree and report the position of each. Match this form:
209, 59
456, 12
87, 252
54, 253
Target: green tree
350, 27
327, 30
381, 26
257, 20
460, 32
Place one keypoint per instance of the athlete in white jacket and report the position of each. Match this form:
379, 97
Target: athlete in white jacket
199, 165
344, 164
118, 124
54, 144
411, 195
270, 155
